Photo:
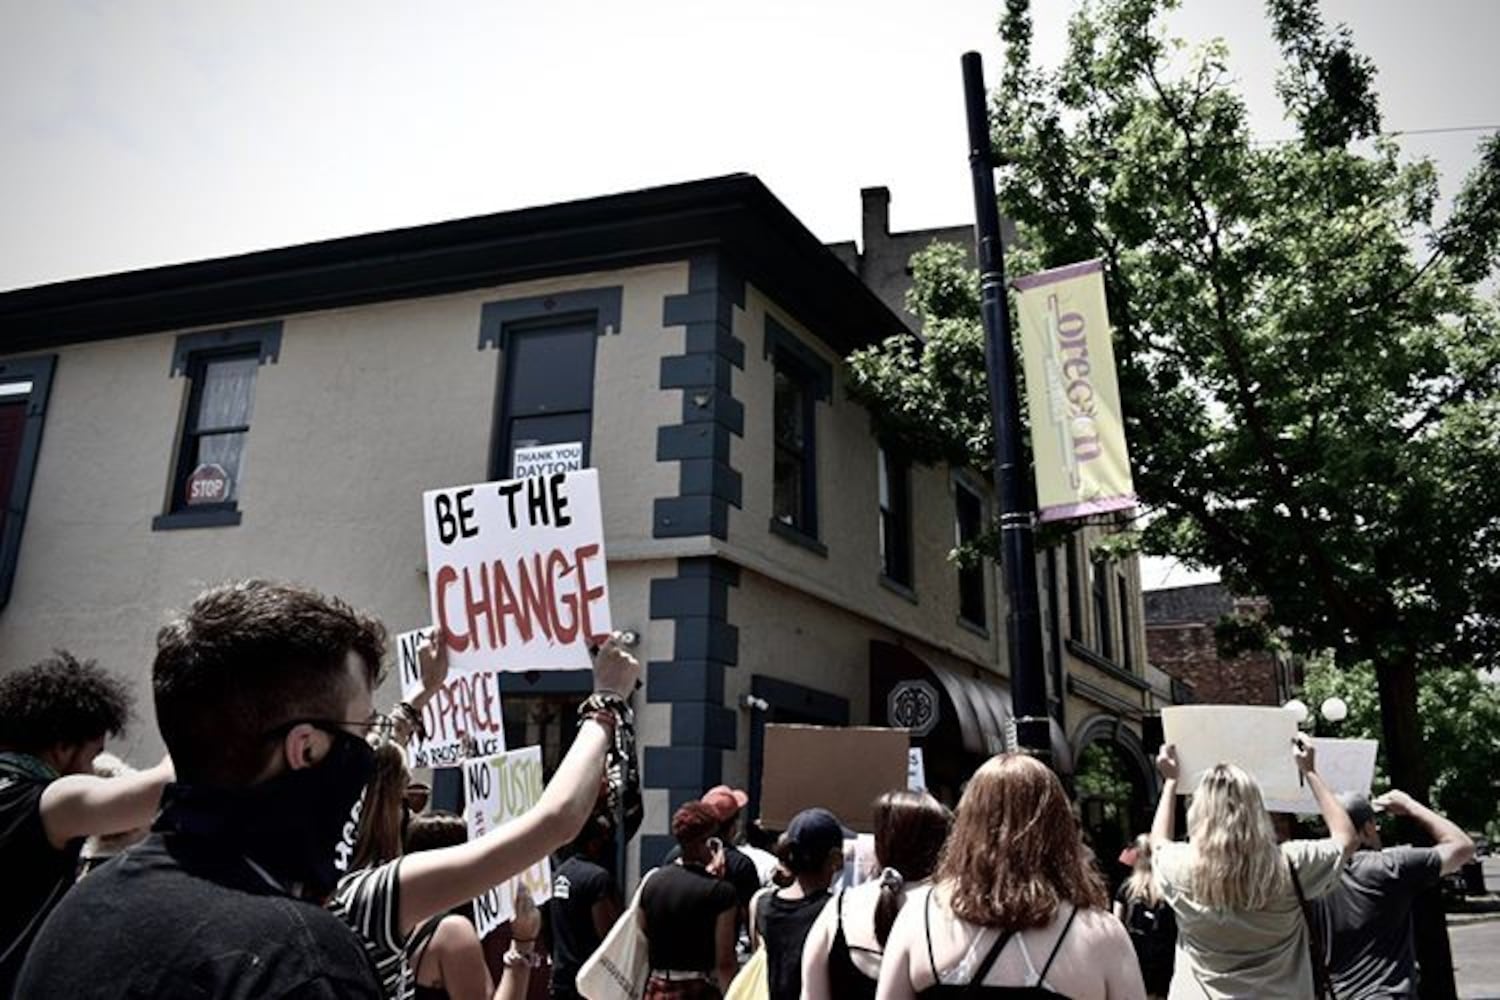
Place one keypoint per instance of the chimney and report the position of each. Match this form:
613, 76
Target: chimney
875, 205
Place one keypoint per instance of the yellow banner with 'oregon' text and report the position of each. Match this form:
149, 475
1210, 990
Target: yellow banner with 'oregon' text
1077, 427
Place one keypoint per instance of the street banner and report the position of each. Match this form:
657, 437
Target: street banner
498, 789
516, 572
806, 766
1256, 738
1073, 399
462, 718
1344, 765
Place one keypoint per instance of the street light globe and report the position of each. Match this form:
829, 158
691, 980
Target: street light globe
1298, 708
1335, 709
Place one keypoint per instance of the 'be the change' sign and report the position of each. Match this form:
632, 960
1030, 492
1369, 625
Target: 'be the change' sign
516, 572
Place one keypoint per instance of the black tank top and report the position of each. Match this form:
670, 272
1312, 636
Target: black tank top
975, 989
784, 925
844, 977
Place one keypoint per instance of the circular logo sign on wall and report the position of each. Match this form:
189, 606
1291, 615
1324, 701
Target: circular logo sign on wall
209, 483
913, 705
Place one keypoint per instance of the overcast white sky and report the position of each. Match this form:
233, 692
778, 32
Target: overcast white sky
135, 133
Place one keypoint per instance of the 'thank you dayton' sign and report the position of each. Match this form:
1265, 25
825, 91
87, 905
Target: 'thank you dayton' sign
516, 572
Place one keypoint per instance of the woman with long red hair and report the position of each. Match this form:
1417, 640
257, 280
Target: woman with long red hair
1016, 908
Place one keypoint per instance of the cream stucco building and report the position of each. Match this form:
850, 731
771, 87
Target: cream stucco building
278, 414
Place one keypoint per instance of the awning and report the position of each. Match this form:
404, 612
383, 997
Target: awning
983, 709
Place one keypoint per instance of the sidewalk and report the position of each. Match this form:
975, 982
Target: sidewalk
1476, 945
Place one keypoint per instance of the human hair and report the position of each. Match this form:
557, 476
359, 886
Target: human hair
693, 822
381, 814
1140, 884
1236, 863
246, 657
910, 830
1015, 854
431, 830
61, 700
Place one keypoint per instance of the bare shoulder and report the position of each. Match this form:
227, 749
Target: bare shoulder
1097, 926
454, 930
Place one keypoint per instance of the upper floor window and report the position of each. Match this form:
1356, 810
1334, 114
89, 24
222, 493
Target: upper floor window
794, 501
1127, 645
25, 385
1104, 636
968, 526
1071, 560
549, 389
895, 518
221, 368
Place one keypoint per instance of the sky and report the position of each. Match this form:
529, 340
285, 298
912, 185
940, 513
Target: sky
136, 133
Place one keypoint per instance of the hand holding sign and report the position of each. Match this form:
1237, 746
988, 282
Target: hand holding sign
615, 670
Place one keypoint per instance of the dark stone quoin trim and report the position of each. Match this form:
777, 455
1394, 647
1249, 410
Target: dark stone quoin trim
707, 483
696, 601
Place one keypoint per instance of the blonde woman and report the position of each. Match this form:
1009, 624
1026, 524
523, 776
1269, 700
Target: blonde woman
1242, 931
1148, 918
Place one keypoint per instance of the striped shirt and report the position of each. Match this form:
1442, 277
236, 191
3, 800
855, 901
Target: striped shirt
367, 900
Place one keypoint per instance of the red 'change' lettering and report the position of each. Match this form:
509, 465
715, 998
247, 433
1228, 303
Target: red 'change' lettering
547, 593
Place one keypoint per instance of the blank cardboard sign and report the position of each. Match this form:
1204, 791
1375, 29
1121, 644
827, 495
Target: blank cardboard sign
1257, 739
1345, 766
841, 769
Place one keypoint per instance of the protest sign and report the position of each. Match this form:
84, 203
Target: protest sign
1257, 739
516, 572
545, 459
498, 789
806, 766
462, 718
916, 770
1344, 765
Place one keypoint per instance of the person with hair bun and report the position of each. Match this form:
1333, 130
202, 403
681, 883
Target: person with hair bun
812, 853
841, 958
1016, 908
688, 913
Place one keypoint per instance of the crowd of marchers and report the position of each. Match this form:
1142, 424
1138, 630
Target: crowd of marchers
278, 850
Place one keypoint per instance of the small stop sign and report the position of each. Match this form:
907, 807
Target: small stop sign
209, 483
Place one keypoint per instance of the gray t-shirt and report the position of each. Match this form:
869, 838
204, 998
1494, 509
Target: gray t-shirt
1367, 921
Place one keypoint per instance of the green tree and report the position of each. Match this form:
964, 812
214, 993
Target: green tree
1310, 368
1460, 713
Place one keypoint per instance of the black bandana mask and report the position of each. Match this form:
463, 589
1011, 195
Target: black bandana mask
299, 826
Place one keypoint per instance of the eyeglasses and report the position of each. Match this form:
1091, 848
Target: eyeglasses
379, 728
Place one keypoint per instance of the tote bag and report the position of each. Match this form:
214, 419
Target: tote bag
752, 982
617, 970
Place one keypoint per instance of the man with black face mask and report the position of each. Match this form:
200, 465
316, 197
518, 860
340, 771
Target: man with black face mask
263, 695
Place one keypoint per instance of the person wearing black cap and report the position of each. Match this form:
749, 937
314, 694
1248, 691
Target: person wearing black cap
1366, 919
812, 849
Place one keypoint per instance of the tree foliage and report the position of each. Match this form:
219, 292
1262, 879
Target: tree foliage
1309, 364
1460, 714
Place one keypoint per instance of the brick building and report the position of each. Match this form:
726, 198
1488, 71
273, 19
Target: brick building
1180, 640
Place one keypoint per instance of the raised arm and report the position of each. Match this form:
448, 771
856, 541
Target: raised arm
1163, 823
1340, 828
434, 881
432, 663
1453, 845
81, 805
